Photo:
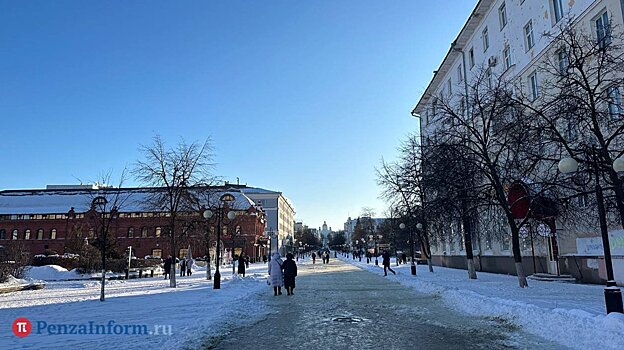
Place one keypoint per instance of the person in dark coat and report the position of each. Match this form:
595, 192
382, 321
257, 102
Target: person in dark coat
290, 272
183, 267
386, 263
241, 265
167, 266
313, 258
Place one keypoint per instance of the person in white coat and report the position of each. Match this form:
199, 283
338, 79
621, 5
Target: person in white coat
276, 276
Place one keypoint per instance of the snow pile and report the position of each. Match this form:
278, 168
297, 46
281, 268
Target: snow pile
53, 273
193, 310
13, 282
570, 314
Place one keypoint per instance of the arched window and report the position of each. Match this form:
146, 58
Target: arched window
53, 233
40, 234
14, 234
130, 232
2, 234
144, 232
27, 234
158, 231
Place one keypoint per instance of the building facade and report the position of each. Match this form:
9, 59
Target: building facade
62, 219
505, 38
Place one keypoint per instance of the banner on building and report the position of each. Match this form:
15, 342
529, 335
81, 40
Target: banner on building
592, 246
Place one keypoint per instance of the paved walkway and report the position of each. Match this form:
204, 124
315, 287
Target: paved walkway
338, 306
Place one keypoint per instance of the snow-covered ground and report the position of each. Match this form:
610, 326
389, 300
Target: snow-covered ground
570, 314
193, 310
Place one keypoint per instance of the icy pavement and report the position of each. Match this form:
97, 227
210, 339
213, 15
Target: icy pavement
192, 310
569, 314
339, 306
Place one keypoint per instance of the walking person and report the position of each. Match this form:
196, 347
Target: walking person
241, 265
189, 266
386, 263
183, 267
313, 258
167, 266
290, 272
276, 274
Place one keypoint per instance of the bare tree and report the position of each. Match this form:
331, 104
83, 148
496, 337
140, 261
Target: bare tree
106, 203
579, 108
403, 188
171, 172
491, 140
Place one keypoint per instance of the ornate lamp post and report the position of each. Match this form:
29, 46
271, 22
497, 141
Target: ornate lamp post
613, 294
411, 241
225, 199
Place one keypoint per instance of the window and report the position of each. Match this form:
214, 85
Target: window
488, 77
144, 232
158, 231
462, 106
130, 232
27, 234
615, 101
486, 39
157, 253
449, 87
14, 235
583, 200
507, 56
603, 29
505, 243
502, 16
40, 234
572, 130
564, 62
471, 58
557, 9
2, 234
53, 233
183, 253
460, 75
533, 86
529, 40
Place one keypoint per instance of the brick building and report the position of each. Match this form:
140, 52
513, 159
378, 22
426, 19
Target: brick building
62, 218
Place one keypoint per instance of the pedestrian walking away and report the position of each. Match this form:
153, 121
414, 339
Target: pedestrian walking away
313, 258
276, 276
386, 263
183, 267
290, 272
189, 266
167, 266
241, 265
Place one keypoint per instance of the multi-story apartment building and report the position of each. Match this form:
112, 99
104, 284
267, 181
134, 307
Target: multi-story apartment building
505, 39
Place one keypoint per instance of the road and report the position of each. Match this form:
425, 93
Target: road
338, 306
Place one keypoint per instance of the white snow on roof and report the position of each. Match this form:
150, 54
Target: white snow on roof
61, 201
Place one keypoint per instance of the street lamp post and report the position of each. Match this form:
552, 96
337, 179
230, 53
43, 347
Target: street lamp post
613, 294
208, 214
411, 240
374, 239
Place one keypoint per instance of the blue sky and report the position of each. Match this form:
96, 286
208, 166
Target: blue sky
304, 97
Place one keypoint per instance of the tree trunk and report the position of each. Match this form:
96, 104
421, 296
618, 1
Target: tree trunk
472, 272
467, 226
172, 276
427, 247
515, 240
208, 272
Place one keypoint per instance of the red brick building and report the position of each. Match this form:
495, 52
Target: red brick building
63, 218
